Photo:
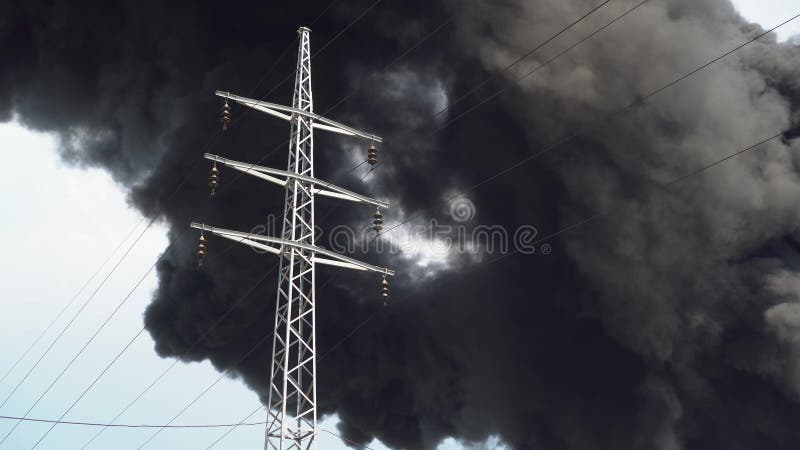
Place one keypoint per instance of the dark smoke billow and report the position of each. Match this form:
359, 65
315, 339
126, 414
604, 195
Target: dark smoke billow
670, 322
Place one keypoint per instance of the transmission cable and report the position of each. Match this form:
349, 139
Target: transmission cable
92, 338
684, 177
343, 99
225, 373
154, 216
638, 102
126, 347
205, 391
241, 422
232, 426
70, 302
85, 391
568, 228
649, 95
517, 61
74, 317
209, 142
176, 361
473, 268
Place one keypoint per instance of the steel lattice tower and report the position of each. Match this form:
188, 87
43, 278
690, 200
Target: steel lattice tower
292, 399
293, 369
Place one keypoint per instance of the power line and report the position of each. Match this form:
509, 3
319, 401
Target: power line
578, 224
85, 391
125, 348
369, 318
74, 317
129, 249
176, 361
70, 302
125, 425
232, 426
92, 338
222, 375
571, 227
327, 352
709, 63
666, 185
348, 336
396, 60
527, 54
241, 422
157, 210
359, 444
260, 407
363, 323
153, 216
473, 268
205, 391
539, 67
639, 101
476, 87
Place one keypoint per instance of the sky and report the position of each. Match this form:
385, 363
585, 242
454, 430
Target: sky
769, 13
71, 218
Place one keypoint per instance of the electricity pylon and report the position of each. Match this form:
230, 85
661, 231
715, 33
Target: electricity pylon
292, 404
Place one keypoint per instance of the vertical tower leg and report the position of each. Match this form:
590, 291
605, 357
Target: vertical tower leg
292, 416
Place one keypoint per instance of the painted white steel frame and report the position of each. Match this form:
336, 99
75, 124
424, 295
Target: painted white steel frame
255, 240
292, 399
322, 123
267, 172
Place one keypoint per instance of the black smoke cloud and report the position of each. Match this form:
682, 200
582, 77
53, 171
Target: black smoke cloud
670, 322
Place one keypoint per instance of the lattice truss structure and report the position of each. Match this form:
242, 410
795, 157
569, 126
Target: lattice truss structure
292, 404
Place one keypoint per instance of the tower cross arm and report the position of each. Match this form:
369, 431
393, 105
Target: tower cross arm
332, 258
272, 175
281, 111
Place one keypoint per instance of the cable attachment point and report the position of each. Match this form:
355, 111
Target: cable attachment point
201, 250
225, 117
377, 223
384, 291
372, 155
213, 178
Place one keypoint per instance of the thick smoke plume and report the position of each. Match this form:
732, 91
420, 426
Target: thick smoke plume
671, 321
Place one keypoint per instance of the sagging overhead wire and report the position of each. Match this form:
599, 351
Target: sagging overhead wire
372, 74
372, 154
92, 337
200, 339
224, 123
71, 301
232, 426
223, 375
154, 214
455, 276
152, 217
74, 317
638, 102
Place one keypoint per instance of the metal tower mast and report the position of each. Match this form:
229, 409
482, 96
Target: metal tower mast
292, 404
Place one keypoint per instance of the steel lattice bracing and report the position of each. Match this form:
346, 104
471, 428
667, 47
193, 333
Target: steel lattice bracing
292, 398
292, 418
